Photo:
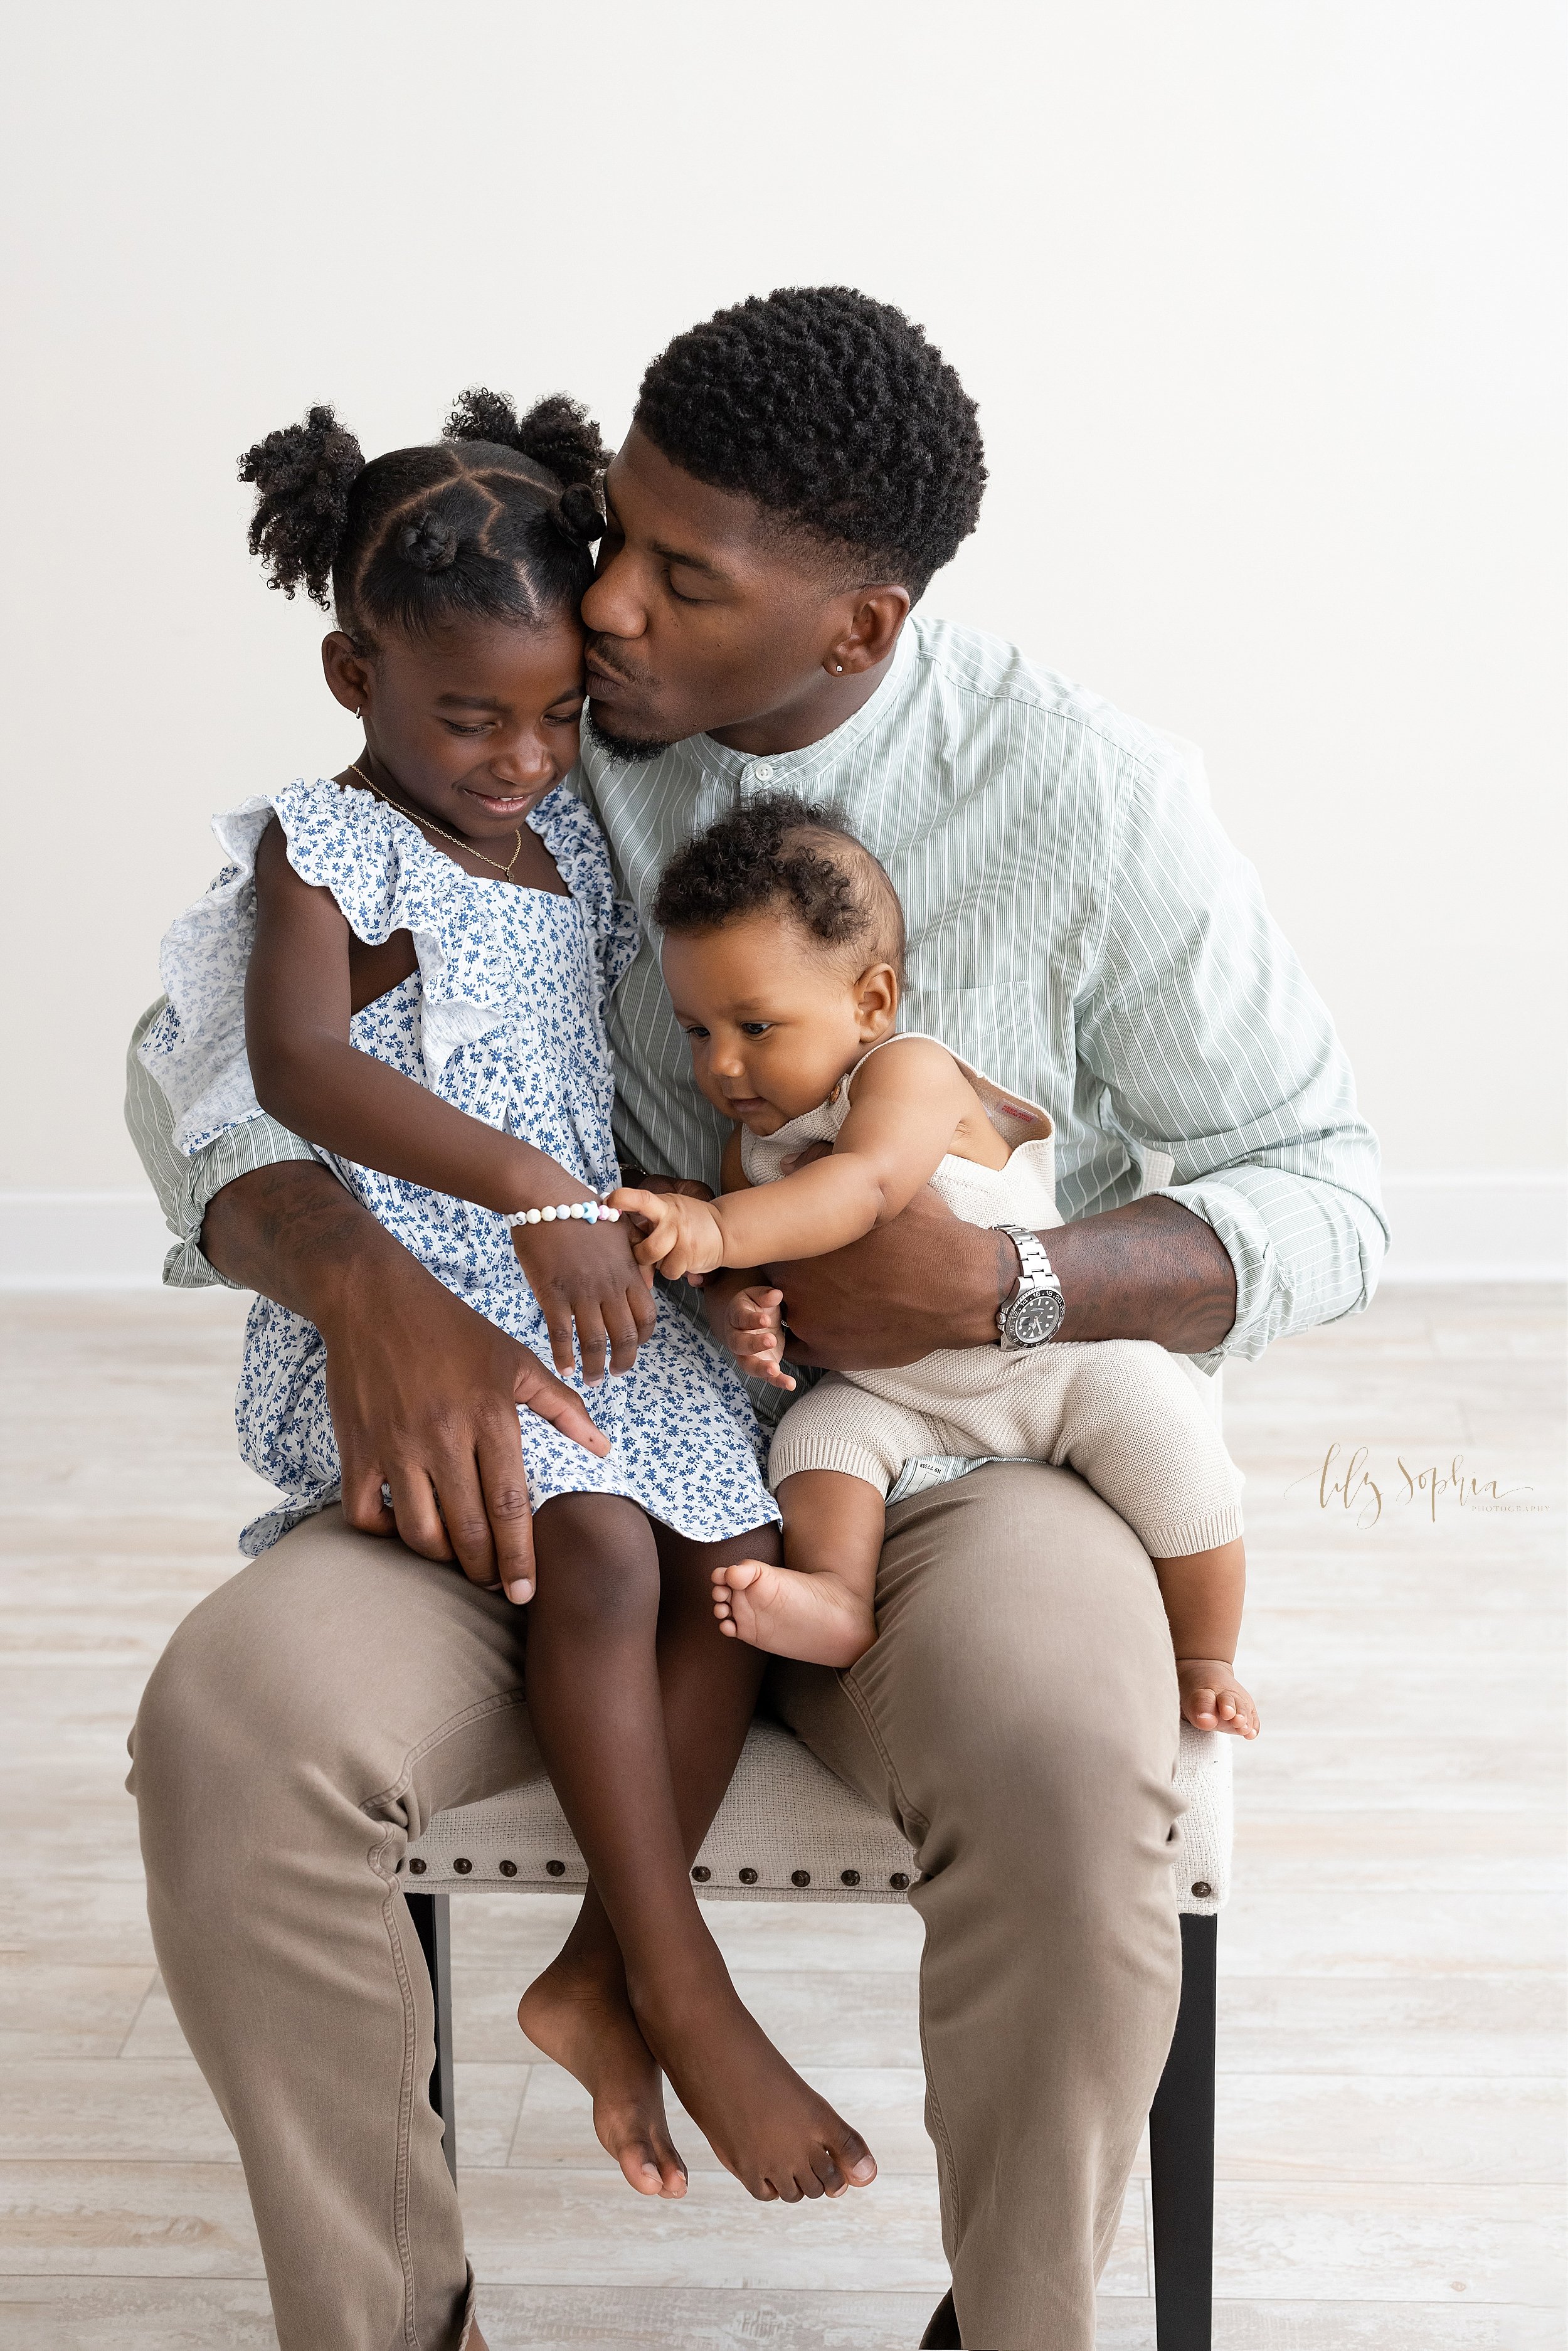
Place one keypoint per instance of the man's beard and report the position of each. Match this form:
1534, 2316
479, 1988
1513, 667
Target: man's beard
623, 747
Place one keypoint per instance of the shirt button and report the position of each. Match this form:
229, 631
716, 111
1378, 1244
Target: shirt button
762, 773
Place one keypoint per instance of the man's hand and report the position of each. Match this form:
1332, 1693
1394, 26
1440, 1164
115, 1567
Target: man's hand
423, 1391
924, 1280
1150, 1270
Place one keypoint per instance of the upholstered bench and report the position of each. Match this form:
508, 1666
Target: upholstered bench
788, 1831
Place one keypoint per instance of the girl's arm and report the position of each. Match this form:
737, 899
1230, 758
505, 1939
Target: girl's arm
906, 1106
308, 1076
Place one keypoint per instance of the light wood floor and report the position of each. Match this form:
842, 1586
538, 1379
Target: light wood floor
1390, 2145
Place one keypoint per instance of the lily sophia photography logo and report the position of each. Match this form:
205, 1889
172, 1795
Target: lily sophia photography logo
1351, 1481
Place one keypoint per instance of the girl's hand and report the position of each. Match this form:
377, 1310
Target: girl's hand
1213, 1700
585, 1275
753, 1333
680, 1234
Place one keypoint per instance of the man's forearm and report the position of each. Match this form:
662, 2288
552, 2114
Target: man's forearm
1150, 1270
292, 1232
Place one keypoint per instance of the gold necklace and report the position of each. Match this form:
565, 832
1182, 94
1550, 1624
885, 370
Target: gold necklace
429, 821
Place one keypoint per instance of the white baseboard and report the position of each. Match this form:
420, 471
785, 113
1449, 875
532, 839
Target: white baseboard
1505, 1224
82, 1240
1509, 1225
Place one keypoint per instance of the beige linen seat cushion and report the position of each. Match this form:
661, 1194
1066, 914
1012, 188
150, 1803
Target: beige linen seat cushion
788, 1831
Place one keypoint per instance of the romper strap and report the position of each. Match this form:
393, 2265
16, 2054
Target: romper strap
899, 1036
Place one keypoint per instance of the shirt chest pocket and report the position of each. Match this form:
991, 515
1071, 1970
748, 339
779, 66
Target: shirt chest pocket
1001, 1028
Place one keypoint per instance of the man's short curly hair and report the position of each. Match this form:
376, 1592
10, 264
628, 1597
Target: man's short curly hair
780, 854
837, 416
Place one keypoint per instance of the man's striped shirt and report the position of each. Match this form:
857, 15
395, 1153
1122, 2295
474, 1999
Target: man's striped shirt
1080, 928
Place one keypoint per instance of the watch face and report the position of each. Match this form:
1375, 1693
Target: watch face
1035, 1318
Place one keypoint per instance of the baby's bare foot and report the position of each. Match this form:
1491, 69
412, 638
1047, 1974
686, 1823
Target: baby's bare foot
1213, 1700
581, 2016
762, 2121
814, 1617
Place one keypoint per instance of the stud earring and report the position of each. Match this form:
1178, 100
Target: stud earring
838, 669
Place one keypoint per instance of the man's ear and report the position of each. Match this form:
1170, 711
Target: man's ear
876, 1000
349, 677
875, 620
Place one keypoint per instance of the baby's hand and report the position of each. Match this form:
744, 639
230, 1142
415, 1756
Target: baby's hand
680, 1234
753, 1333
1213, 1700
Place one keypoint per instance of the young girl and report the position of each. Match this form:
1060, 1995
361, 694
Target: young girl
783, 956
409, 964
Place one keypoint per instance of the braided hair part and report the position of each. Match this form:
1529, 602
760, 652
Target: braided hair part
494, 521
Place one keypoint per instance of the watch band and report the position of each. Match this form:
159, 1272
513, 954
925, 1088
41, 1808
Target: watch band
1037, 1272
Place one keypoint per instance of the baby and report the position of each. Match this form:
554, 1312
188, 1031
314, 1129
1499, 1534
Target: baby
783, 957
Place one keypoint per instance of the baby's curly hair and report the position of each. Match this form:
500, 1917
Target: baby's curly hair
780, 853
837, 416
494, 521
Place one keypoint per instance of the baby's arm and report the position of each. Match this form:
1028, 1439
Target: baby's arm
905, 1107
310, 1077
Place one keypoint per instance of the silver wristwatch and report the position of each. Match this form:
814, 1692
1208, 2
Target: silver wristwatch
1032, 1312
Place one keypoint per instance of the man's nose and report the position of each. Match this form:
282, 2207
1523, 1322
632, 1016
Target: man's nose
613, 607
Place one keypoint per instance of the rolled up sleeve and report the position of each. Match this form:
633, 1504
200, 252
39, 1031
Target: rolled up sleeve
1205, 1041
184, 1185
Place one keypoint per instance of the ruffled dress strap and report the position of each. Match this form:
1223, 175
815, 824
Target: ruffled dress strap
582, 856
384, 877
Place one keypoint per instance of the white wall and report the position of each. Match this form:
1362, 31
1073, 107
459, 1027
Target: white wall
1254, 300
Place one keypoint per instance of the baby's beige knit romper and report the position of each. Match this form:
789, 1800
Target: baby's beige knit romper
1129, 1418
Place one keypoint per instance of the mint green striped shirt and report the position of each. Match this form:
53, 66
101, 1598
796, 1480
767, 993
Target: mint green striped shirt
1080, 928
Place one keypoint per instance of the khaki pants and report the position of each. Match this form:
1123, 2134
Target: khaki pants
1017, 1715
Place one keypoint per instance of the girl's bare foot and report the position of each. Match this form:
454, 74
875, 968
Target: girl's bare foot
580, 2015
762, 2121
816, 1617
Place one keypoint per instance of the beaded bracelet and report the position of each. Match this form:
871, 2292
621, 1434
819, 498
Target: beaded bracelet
585, 1212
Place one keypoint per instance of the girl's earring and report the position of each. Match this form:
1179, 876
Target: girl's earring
838, 669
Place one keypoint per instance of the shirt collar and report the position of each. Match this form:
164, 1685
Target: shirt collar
772, 769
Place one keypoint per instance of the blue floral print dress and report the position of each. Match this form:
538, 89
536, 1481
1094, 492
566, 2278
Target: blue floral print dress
504, 1019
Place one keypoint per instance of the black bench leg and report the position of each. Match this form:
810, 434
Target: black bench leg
1181, 2156
430, 1914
